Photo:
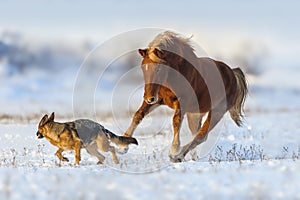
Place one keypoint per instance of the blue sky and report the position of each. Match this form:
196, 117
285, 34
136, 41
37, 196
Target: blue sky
56, 18
220, 27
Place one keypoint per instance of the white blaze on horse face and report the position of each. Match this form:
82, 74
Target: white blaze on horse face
146, 67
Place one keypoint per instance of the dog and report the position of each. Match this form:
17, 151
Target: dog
78, 134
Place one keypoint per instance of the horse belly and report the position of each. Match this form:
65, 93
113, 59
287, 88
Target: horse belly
196, 108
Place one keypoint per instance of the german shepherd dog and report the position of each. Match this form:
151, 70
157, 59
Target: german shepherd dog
81, 133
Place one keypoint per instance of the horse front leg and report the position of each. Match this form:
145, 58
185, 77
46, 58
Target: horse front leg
195, 123
138, 117
177, 121
136, 120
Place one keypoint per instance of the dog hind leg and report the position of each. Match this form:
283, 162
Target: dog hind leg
113, 152
92, 149
103, 144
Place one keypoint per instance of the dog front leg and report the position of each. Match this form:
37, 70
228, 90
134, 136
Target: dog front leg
113, 153
77, 156
77, 149
60, 157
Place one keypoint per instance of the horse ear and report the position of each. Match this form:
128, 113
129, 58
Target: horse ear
159, 53
143, 52
51, 118
43, 120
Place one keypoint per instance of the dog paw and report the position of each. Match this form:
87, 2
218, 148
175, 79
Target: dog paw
64, 159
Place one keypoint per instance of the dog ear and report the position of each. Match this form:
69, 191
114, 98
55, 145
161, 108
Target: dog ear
51, 118
143, 52
43, 120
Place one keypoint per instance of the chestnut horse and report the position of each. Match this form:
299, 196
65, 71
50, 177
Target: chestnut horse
176, 77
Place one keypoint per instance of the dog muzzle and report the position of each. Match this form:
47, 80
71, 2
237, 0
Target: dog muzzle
39, 135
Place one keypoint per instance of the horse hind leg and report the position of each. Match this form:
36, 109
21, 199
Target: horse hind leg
211, 121
195, 123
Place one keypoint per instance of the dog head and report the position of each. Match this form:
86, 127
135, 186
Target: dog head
43, 127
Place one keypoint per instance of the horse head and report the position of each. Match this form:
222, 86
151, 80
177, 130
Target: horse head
155, 73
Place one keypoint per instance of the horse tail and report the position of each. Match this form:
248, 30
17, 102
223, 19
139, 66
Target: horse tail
236, 111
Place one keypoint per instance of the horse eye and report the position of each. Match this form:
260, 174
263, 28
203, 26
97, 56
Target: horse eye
157, 70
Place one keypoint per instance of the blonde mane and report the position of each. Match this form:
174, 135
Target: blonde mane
172, 42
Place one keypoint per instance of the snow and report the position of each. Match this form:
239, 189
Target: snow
260, 160
44, 55
205, 181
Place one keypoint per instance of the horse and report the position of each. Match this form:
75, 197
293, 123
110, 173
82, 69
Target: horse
191, 85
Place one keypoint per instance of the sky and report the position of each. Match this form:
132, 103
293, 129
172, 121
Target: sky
55, 18
220, 27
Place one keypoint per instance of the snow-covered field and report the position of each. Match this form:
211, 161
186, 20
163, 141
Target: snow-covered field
40, 67
260, 162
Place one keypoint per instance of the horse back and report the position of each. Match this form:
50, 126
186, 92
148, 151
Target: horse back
212, 81
224, 72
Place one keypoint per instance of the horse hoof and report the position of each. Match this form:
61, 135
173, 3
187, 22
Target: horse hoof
100, 162
175, 159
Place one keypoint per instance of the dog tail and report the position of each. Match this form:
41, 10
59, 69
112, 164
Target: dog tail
120, 139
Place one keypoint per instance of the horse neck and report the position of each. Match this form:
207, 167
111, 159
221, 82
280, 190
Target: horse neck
189, 65
182, 70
